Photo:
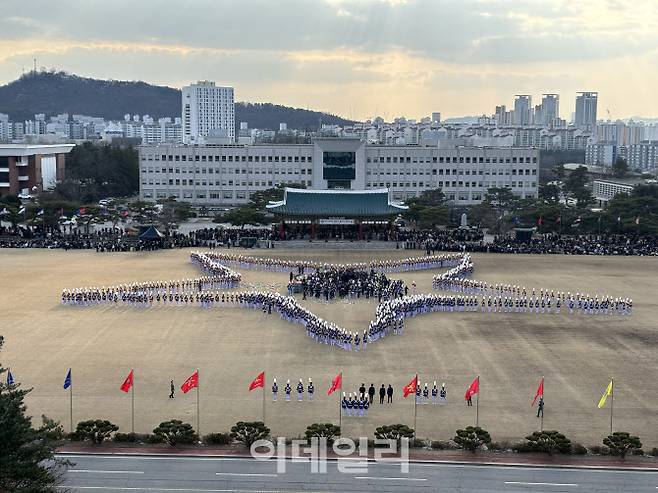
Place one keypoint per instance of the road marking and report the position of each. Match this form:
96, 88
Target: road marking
381, 462
522, 483
258, 474
390, 479
189, 490
100, 471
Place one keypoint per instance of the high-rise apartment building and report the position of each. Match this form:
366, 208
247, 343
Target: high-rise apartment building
523, 109
208, 110
586, 110
550, 110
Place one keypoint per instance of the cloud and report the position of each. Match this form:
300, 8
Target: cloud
396, 55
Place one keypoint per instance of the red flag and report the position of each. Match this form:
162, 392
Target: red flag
124, 213
540, 391
336, 384
259, 381
128, 382
410, 388
190, 383
539, 221
474, 388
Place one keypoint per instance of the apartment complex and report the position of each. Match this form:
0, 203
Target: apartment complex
208, 110
227, 175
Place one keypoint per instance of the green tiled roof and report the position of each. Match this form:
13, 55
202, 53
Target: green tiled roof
335, 203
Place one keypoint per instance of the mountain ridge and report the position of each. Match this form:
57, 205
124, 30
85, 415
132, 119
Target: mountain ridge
52, 93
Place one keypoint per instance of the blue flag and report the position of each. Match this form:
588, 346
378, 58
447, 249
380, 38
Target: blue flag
10, 378
67, 380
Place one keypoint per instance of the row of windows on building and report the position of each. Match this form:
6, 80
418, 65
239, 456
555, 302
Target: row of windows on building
230, 158
217, 183
454, 159
236, 171
452, 184
303, 159
455, 171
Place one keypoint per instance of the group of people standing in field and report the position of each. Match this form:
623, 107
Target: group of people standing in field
394, 307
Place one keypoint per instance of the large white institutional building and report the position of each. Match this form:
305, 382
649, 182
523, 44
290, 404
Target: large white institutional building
208, 110
226, 175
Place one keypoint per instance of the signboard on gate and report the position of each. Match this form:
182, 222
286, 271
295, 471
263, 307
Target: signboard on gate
336, 221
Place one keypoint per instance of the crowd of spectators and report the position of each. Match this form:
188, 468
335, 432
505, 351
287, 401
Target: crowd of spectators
432, 241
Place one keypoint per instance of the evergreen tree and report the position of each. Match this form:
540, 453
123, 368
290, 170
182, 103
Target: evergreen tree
27, 463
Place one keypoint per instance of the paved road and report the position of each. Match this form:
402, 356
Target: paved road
208, 474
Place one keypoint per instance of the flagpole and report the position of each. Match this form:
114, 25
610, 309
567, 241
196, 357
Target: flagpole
543, 389
612, 400
198, 419
415, 406
477, 405
132, 393
263, 397
71, 400
340, 409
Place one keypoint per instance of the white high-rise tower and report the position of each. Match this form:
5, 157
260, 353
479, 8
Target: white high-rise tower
207, 110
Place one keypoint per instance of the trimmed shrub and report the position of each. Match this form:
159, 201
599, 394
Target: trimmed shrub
599, 450
500, 446
96, 430
154, 439
132, 437
549, 441
217, 439
417, 443
394, 432
578, 449
654, 452
248, 432
443, 445
621, 442
472, 438
323, 430
175, 431
124, 437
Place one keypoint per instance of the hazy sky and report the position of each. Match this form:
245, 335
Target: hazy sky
356, 58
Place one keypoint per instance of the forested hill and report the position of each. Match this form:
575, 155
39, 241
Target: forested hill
58, 92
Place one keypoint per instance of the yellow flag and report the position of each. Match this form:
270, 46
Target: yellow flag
608, 391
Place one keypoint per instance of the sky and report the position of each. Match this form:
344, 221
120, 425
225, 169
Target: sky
354, 58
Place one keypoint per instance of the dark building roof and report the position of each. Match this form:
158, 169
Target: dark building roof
335, 203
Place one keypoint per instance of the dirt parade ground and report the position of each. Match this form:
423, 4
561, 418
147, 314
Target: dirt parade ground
577, 354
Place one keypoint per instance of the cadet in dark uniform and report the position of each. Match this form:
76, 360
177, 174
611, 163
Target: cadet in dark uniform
275, 390
172, 388
362, 391
435, 392
343, 405
442, 394
426, 394
310, 390
371, 392
288, 390
540, 407
382, 394
300, 391
389, 394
